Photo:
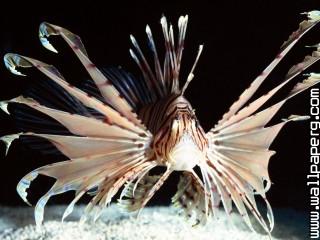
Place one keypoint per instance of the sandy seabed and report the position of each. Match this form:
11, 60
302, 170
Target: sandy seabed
154, 223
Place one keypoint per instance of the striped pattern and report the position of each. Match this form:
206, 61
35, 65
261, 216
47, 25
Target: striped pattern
141, 124
169, 120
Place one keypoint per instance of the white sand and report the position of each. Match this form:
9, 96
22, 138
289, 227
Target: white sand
154, 223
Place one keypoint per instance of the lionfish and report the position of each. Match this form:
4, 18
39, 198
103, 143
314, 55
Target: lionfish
120, 128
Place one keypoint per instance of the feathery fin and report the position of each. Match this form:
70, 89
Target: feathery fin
304, 27
4, 106
190, 198
107, 90
111, 115
8, 139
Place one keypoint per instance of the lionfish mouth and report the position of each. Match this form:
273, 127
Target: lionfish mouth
185, 155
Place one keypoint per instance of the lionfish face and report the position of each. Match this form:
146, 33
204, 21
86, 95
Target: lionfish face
181, 142
186, 151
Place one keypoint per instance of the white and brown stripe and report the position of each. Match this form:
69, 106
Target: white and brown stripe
169, 120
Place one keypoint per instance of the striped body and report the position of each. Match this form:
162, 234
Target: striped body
179, 141
118, 128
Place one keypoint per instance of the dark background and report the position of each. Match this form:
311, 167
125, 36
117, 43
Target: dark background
240, 38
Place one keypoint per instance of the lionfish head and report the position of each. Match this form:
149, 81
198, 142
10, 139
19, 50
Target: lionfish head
186, 149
